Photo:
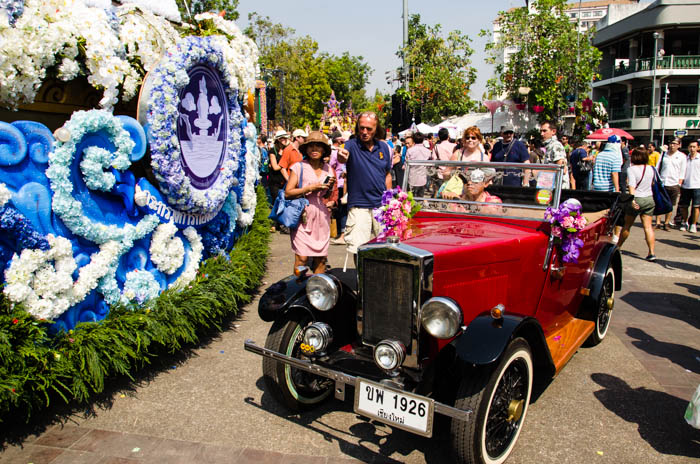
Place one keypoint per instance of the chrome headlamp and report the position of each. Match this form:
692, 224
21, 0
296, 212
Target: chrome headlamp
322, 291
317, 337
389, 354
441, 317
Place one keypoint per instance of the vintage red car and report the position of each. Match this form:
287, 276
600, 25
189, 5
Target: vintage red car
458, 316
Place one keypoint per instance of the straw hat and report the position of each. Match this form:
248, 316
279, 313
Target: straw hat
316, 137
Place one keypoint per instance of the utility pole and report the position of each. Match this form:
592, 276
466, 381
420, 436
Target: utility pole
405, 42
653, 88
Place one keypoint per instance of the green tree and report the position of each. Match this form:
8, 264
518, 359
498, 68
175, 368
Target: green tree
440, 71
306, 76
555, 62
190, 8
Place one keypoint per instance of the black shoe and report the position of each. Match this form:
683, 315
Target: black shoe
651, 258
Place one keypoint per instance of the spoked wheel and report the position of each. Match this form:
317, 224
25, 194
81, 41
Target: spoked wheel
499, 398
606, 302
296, 389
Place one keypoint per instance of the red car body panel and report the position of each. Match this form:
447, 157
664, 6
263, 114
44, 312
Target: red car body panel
481, 262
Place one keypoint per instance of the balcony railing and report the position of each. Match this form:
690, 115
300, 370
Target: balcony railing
647, 64
642, 111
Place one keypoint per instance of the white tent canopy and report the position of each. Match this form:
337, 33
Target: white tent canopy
504, 117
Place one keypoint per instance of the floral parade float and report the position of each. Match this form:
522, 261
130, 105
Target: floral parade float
334, 118
103, 213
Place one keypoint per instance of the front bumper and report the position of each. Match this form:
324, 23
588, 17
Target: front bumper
341, 379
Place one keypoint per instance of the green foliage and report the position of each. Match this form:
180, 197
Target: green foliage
550, 57
440, 71
190, 8
36, 368
307, 75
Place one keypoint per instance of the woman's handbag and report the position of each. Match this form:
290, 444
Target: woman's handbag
662, 201
289, 212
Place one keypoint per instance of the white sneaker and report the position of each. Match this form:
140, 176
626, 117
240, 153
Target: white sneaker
693, 229
684, 227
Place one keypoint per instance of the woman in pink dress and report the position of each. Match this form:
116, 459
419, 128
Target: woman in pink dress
311, 238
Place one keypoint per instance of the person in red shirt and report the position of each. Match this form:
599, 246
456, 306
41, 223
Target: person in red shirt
291, 153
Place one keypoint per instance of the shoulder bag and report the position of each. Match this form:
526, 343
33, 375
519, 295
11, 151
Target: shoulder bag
662, 202
288, 212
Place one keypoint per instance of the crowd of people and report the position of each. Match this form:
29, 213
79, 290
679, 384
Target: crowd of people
345, 175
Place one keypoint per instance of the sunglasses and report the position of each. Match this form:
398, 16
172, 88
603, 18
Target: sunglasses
471, 137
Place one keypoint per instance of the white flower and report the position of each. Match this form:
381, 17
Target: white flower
5, 194
68, 70
43, 280
167, 251
195, 256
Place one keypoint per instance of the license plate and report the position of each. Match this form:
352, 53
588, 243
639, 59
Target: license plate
394, 407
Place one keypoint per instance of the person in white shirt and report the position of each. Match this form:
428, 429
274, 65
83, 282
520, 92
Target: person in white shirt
690, 190
671, 169
639, 179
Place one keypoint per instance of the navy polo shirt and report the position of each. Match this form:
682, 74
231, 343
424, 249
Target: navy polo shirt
366, 171
517, 154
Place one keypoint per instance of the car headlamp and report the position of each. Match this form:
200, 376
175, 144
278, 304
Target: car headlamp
389, 354
317, 337
322, 291
441, 317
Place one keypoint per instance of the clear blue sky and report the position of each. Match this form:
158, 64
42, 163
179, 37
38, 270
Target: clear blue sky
373, 29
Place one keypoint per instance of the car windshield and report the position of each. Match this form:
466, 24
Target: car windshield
522, 191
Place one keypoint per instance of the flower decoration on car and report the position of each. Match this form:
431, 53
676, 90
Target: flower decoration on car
397, 208
567, 223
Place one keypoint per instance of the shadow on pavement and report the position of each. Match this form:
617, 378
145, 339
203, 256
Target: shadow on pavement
658, 415
694, 289
684, 356
675, 306
676, 265
679, 244
365, 431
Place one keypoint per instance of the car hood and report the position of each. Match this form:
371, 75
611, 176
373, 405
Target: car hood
482, 240
482, 262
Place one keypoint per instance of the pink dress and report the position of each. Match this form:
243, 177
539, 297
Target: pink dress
312, 238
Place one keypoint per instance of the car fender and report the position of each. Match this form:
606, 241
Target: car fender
290, 292
486, 338
609, 256
278, 298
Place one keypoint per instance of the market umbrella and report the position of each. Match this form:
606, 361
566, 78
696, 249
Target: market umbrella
604, 133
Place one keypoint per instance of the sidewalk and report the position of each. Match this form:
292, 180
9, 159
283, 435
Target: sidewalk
212, 408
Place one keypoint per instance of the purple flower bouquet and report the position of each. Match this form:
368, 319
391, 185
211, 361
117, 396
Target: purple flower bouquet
397, 208
567, 223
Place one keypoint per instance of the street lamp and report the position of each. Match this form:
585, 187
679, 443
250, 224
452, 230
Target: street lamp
653, 89
663, 121
524, 91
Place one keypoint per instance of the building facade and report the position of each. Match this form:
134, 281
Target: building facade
650, 70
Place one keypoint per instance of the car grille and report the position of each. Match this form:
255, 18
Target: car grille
388, 301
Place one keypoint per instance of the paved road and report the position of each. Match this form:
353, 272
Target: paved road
620, 402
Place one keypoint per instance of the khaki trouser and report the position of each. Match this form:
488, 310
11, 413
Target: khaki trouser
360, 228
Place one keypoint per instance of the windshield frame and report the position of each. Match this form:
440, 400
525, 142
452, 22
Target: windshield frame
509, 209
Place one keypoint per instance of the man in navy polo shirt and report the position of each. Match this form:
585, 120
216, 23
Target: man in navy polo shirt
511, 150
369, 162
